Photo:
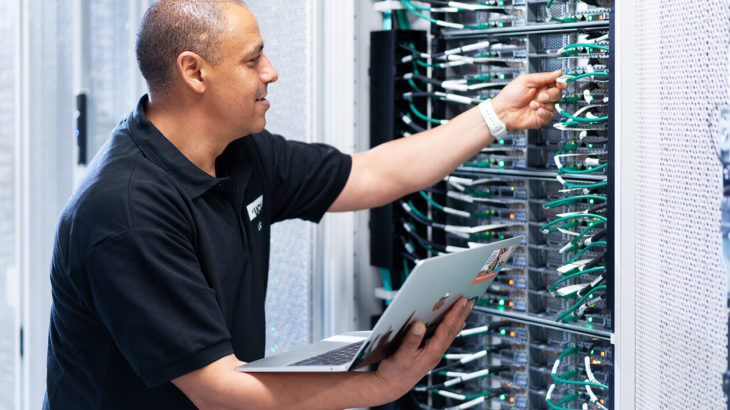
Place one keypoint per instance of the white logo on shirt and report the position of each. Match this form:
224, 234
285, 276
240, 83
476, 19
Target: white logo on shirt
254, 208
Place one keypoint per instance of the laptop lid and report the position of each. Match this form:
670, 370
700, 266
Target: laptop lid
433, 286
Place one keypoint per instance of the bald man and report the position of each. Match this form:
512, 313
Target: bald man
161, 256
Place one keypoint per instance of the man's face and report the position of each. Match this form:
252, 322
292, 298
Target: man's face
237, 89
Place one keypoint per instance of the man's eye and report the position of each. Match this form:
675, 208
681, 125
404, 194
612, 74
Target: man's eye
255, 60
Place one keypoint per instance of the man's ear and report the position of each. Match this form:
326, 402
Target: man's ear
191, 68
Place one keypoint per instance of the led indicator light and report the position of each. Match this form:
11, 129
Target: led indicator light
501, 302
603, 354
502, 332
511, 282
502, 396
590, 319
501, 142
511, 399
511, 217
512, 334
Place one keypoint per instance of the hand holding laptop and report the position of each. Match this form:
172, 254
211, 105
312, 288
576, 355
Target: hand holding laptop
400, 372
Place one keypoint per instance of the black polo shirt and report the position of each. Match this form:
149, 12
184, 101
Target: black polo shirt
160, 269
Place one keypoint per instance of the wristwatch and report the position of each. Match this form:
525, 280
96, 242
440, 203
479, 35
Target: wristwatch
495, 125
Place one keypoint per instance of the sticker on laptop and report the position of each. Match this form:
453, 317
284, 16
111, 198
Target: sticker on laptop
493, 265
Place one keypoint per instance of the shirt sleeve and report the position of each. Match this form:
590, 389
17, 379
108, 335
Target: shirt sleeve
149, 292
307, 178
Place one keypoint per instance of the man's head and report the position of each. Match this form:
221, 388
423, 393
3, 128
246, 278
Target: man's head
212, 49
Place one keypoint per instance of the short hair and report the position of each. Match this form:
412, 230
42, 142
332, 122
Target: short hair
171, 27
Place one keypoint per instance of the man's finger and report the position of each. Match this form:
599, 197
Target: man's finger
412, 339
542, 79
550, 95
450, 327
545, 115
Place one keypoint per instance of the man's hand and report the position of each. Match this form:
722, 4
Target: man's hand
529, 100
401, 371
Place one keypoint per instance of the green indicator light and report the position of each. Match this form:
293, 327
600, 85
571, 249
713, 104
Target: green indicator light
593, 352
501, 142
501, 303
590, 18
501, 236
502, 396
591, 202
590, 145
501, 24
591, 297
501, 164
511, 188
590, 319
501, 3
503, 332
501, 76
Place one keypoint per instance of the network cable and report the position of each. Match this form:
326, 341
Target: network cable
441, 23
569, 312
569, 78
589, 116
406, 118
574, 200
424, 117
443, 97
554, 286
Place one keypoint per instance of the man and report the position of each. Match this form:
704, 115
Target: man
161, 256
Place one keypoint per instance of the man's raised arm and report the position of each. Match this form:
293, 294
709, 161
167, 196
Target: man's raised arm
399, 167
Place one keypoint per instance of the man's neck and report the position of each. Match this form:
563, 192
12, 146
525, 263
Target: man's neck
188, 130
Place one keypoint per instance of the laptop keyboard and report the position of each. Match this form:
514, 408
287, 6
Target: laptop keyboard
341, 355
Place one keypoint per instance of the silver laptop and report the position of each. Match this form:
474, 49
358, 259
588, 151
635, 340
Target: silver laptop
426, 296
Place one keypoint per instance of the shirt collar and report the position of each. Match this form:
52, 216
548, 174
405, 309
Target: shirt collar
193, 180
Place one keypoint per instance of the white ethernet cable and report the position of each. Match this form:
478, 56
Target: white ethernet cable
450, 52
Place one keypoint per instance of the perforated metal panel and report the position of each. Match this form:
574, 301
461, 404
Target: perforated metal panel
286, 27
108, 67
682, 76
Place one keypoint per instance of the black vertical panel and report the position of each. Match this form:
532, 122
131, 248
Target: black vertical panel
386, 108
82, 134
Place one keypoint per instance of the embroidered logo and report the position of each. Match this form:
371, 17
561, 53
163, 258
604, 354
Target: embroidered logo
254, 208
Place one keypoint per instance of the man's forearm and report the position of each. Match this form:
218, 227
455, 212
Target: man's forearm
220, 386
405, 165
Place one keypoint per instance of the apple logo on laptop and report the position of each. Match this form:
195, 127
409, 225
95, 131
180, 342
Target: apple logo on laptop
440, 302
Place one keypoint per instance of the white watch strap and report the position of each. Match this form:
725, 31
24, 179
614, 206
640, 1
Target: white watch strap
495, 125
